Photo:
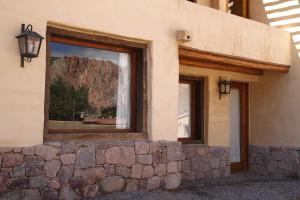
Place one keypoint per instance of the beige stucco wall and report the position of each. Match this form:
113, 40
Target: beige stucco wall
275, 118
153, 21
217, 113
257, 11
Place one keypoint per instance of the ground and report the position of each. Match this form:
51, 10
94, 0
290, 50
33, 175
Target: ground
236, 187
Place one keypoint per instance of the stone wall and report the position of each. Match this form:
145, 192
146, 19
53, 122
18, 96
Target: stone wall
61, 170
202, 161
72, 170
274, 161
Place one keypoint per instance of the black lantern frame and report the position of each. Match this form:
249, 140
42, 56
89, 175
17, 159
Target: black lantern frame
224, 86
29, 44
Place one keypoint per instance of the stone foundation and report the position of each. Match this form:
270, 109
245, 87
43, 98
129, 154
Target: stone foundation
73, 170
274, 161
202, 161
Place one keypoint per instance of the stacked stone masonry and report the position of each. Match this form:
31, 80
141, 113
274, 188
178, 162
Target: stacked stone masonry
274, 161
202, 161
60, 170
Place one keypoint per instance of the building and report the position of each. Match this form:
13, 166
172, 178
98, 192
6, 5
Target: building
133, 93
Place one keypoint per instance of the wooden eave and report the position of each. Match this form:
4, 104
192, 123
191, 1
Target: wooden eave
203, 59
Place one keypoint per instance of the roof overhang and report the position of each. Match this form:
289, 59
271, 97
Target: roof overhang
197, 58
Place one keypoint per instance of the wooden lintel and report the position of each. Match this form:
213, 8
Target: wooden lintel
197, 58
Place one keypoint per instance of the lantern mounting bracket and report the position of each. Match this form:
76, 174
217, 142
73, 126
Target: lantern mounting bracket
23, 29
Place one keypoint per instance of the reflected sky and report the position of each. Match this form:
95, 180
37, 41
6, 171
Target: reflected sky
61, 50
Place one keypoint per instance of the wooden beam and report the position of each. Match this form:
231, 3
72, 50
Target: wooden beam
197, 58
220, 67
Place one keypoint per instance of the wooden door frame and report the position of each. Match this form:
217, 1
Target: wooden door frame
244, 126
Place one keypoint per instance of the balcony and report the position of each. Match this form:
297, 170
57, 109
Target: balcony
227, 35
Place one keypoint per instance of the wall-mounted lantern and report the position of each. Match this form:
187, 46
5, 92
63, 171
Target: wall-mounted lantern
224, 86
29, 44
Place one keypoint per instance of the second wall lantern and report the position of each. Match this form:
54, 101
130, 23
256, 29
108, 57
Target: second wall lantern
224, 86
29, 43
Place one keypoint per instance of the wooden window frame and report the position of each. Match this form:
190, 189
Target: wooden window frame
138, 92
197, 109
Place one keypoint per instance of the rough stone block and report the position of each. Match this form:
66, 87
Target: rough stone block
141, 147
144, 159
19, 183
112, 184
19, 171
156, 158
123, 171
4, 181
12, 160
6, 149
172, 181
174, 153
67, 148
77, 182
85, 157
90, 191
53, 184
67, 159
215, 163
49, 194
136, 171
216, 173
147, 172
172, 167
65, 173
37, 182
186, 166
109, 169
32, 194
202, 149
153, 183
28, 151
154, 147
190, 151
160, 170
52, 167
100, 156
46, 152
92, 175
131, 185
120, 155
34, 166
66, 193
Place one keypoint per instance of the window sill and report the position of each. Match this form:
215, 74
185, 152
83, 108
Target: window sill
95, 136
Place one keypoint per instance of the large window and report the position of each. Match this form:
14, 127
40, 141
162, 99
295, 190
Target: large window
191, 109
92, 86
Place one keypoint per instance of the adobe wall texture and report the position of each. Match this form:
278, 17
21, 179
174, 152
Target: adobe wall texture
274, 161
74, 170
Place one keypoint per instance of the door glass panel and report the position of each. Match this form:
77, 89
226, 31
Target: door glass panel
184, 111
234, 143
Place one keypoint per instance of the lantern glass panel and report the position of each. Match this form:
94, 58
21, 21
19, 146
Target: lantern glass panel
22, 44
228, 88
223, 88
33, 45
